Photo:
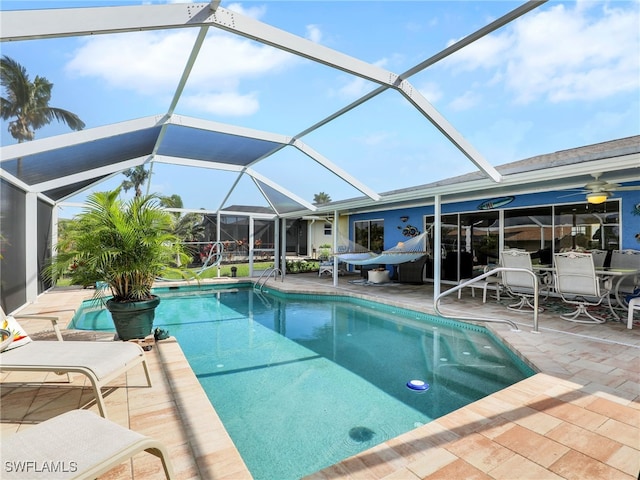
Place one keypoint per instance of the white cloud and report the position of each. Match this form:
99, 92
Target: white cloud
356, 87
376, 138
466, 101
314, 33
254, 12
431, 91
151, 63
145, 62
586, 52
227, 103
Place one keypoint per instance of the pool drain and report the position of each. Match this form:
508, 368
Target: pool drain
361, 434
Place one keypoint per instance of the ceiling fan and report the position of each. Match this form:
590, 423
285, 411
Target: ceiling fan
599, 191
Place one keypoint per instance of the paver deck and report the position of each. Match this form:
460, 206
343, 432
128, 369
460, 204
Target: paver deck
579, 418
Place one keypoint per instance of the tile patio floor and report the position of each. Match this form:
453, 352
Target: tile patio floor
579, 418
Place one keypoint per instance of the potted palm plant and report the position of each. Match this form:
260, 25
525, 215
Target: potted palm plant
126, 246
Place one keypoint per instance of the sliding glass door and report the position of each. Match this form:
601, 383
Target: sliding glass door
469, 241
586, 226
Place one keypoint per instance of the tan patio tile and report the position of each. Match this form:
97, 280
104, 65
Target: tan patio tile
124, 470
402, 474
620, 432
355, 468
458, 469
437, 459
381, 461
626, 459
434, 433
521, 468
497, 427
532, 445
334, 472
532, 419
612, 409
568, 412
584, 441
463, 422
480, 451
578, 466
224, 463
411, 449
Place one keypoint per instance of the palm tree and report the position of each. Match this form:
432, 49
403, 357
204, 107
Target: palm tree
28, 102
136, 177
186, 226
126, 244
320, 198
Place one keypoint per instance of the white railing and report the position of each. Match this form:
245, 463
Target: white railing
264, 277
490, 273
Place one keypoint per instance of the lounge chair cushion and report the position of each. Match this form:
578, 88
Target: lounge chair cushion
76, 444
20, 336
101, 358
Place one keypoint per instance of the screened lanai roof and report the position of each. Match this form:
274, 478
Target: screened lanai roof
87, 157
60, 167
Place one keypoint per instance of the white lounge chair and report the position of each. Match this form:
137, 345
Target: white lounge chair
100, 362
77, 444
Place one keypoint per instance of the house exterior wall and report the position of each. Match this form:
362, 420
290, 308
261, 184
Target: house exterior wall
318, 237
395, 223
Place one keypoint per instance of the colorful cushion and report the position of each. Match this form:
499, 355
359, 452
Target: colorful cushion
20, 336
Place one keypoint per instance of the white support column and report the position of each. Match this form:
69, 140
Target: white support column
218, 218
500, 231
55, 220
31, 246
276, 244
283, 245
437, 247
251, 242
336, 222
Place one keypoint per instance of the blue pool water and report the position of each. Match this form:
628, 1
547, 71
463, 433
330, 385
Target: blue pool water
302, 382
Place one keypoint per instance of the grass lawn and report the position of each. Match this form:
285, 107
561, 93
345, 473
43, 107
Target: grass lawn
225, 271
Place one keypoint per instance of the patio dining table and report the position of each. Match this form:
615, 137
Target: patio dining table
615, 275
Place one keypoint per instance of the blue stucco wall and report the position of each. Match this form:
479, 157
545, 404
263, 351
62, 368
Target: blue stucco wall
630, 210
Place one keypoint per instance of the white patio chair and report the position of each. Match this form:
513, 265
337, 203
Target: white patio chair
520, 284
577, 283
325, 267
626, 259
599, 256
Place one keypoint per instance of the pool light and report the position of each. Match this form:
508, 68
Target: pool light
418, 385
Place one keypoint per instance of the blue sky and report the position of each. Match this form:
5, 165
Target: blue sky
566, 74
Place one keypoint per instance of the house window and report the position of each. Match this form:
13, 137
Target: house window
327, 229
370, 234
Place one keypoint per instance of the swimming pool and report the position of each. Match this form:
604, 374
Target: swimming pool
302, 382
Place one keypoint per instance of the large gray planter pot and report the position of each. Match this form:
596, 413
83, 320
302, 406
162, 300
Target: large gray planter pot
133, 320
